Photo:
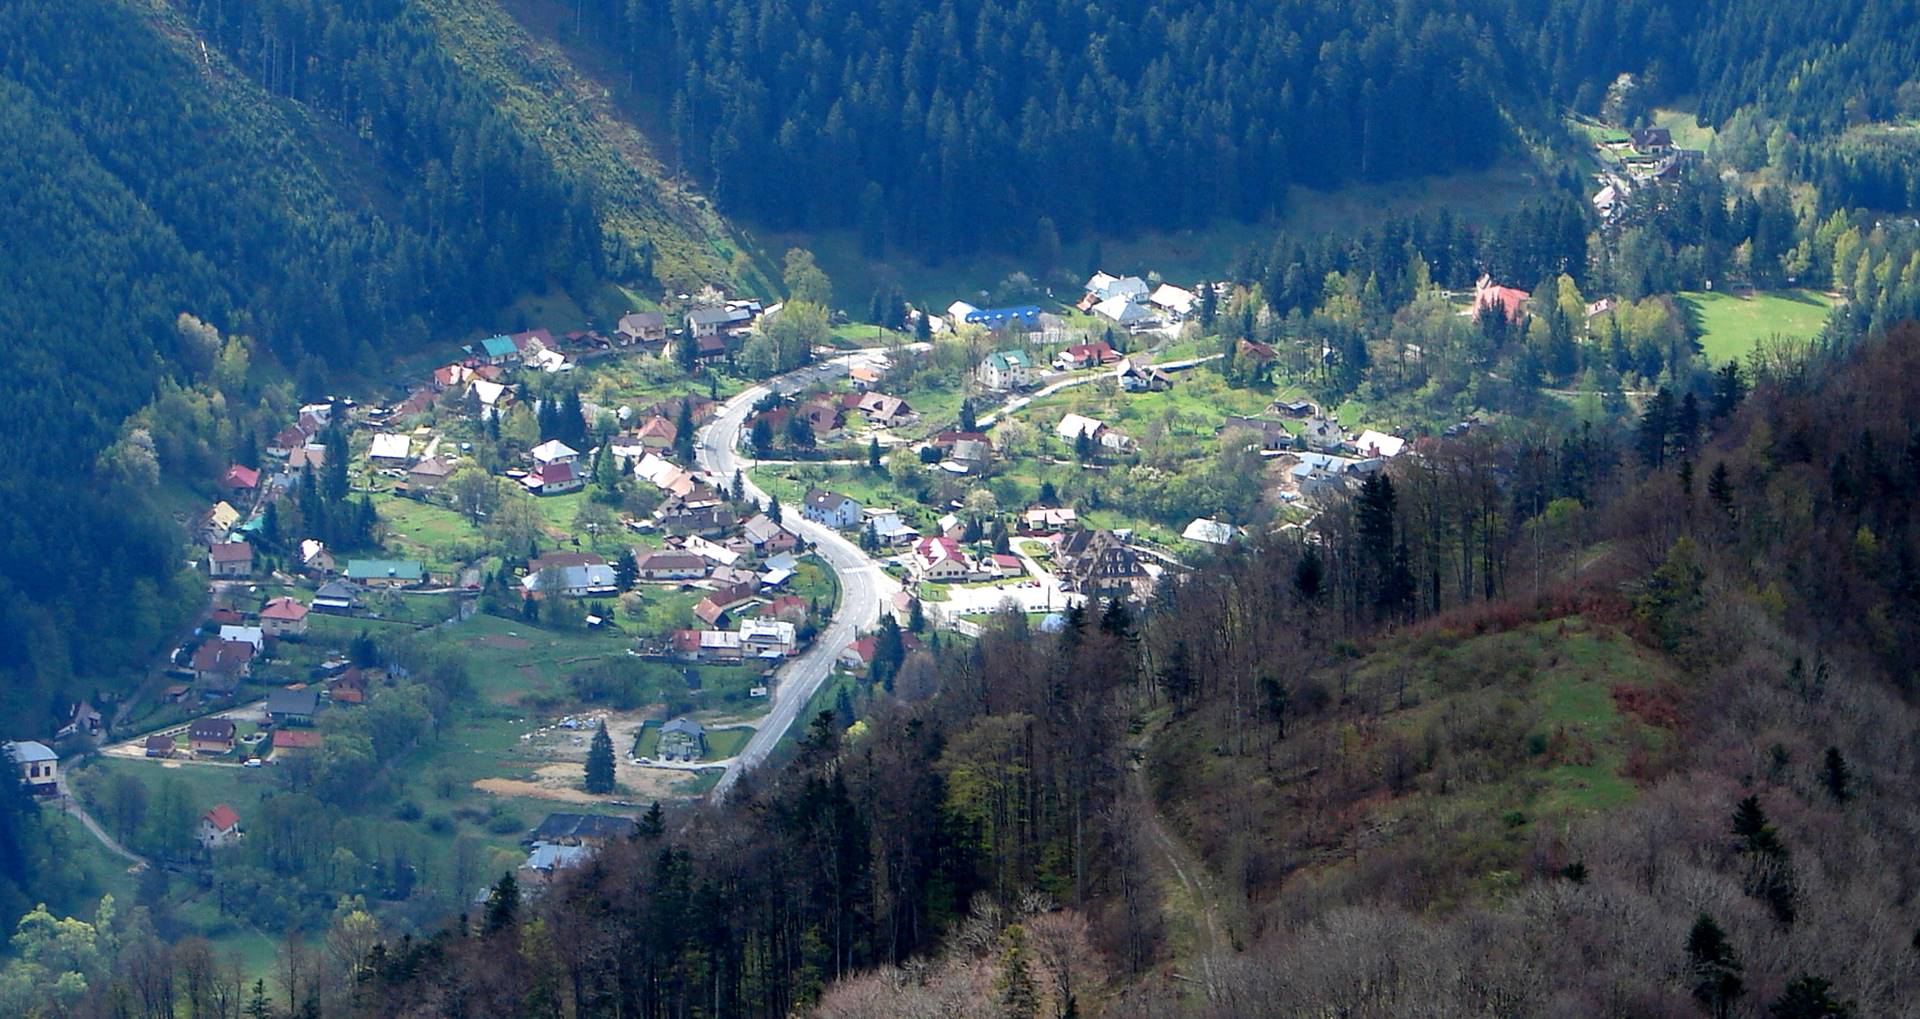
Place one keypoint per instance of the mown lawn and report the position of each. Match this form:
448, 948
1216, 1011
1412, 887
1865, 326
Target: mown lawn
1196, 407
721, 743
434, 534
1732, 325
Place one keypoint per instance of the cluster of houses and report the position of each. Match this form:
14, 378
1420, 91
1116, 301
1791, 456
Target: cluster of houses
1011, 370
1328, 459
830, 417
1131, 303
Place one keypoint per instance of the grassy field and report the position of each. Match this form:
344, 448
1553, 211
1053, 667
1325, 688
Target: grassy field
1194, 409
1732, 325
1687, 132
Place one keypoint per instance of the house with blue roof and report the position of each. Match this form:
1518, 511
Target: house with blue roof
995, 318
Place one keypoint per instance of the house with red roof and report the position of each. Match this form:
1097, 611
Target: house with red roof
1489, 295
860, 652
790, 607
283, 617
657, 433
941, 559
219, 827
1087, 355
532, 341
290, 438
240, 478
296, 740
556, 478
1003, 566
1255, 352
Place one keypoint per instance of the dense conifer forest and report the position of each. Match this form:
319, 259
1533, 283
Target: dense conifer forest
977, 123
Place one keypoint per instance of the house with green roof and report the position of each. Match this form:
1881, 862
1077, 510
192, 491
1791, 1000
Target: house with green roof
385, 572
1005, 369
498, 349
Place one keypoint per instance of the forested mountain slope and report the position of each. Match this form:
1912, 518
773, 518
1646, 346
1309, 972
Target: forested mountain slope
340, 191
969, 122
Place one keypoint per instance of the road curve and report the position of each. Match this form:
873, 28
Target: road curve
864, 586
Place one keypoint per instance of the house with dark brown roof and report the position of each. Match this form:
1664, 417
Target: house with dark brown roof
210, 736
667, 565
831, 508
219, 665
1099, 565
287, 440
641, 327
229, 559
428, 474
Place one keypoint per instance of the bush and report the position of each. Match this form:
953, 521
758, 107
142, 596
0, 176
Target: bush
407, 810
504, 822
440, 824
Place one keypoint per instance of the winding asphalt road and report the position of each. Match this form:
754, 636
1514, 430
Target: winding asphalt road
864, 586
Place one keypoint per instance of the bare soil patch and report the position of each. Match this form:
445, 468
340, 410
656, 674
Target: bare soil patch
558, 754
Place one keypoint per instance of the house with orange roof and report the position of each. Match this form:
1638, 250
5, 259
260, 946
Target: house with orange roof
219, 827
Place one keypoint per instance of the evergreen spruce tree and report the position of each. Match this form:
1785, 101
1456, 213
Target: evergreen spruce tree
889, 650
653, 823
626, 570
600, 762
1720, 487
873, 453
1837, 777
1656, 423
1809, 997
1713, 967
257, 1006
773, 508
503, 904
843, 709
762, 437
916, 617
683, 432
